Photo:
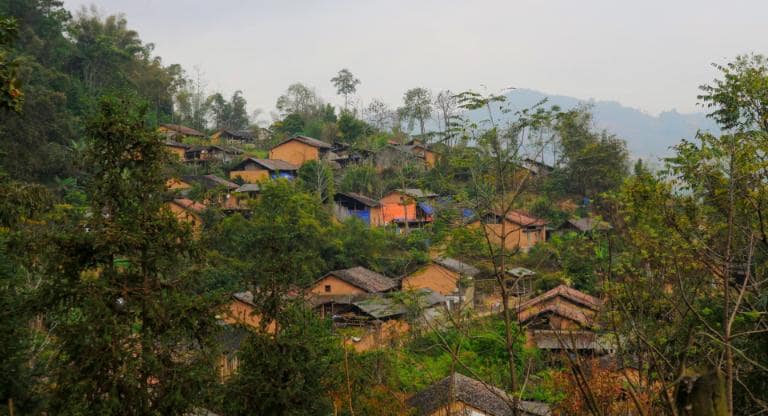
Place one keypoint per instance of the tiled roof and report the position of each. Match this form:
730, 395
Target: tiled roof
189, 204
173, 143
308, 141
524, 219
184, 130
589, 224
268, 164
365, 279
370, 202
484, 397
566, 292
390, 306
210, 181
457, 266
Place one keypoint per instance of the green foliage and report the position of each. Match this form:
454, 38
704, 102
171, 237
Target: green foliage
289, 373
362, 179
316, 177
572, 257
125, 307
480, 348
591, 162
351, 129
346, 84
11, 96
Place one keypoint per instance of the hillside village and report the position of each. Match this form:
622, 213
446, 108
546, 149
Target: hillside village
163, 252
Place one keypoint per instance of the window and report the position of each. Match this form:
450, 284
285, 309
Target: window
327, 288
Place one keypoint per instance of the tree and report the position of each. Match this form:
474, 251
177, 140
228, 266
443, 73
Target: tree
417, 106
346, 84
11, 96
351, 128
591, 162
378, 114
288, 373
445, 102
317, 178
130, 325
298, 98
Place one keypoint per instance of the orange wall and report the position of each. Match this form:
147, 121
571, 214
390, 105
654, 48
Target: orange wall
392, 207
377, 217
250, 176
430, 158
187, 216
515, 235
176, 151
338, 287
435, 277
380, 336
294, 152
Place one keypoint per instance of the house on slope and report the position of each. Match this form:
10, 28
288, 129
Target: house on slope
233, 136
187, 211
519, 281
448, 277
252, 170
410, 207
351, 204
586, 225
537, 168
240, 310
563, 319
300, 149
458, 394
207, 153
353, 281
516, 229
178, 132
177, 149
394, 156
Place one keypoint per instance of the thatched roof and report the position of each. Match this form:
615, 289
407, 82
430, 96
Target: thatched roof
484, 397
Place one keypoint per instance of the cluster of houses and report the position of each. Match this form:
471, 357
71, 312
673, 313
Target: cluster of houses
371, 310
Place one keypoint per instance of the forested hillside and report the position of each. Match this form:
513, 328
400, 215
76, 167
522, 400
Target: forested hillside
161, 253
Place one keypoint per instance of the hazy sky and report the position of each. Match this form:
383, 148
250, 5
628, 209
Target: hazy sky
647, 54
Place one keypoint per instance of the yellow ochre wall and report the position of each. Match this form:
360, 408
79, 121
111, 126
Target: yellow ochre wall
294, 152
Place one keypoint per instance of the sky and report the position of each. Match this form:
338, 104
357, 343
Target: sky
650, 54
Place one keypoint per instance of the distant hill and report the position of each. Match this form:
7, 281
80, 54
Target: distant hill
646, 135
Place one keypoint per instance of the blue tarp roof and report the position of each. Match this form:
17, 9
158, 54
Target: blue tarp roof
426, 208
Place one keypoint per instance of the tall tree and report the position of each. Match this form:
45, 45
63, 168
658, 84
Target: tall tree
130, 324
417, 106
346, 84
298, 98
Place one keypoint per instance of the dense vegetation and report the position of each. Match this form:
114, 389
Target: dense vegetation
108, 304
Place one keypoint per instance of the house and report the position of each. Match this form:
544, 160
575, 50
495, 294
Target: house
584, 225
233, 136
448, 277
517, 230
351, 204
204, 154
240, 310
458, 394
395, 156
252, 170
229, 338
562, 319
299, 149
353, 281
407, 207
422, 152
250, 190
177, 149
210, 182
177, 131
187, 211
380, 317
